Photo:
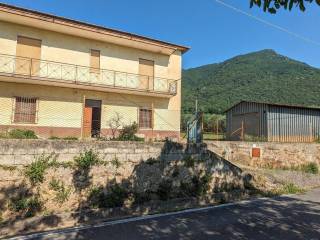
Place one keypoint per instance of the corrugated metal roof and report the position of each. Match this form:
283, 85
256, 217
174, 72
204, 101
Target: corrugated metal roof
274, 104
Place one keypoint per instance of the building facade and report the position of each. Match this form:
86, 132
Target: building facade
61, 78
272, 122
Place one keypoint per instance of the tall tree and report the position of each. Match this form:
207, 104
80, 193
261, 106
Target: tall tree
272, 6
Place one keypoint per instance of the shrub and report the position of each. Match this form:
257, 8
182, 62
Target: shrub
36, 170
29, 205
116, 196
96, 197
164, 190
87, 159
310, 168
189, 161
128, 133
22, 134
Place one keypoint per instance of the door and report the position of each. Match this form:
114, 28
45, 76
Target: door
146, 72
92, 118
29, 51
87, 122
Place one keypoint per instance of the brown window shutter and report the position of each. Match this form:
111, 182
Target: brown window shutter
146, 72
28, 48
95, 60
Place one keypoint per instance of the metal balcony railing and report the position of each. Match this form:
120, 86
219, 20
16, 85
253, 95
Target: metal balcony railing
56, 71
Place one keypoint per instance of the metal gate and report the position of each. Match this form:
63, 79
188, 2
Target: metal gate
194, 128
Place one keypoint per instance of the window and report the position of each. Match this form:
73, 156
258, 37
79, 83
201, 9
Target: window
25, 110
27, 49
95, 61
145, 118
146, 72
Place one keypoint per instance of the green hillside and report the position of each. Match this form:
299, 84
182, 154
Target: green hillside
261, 76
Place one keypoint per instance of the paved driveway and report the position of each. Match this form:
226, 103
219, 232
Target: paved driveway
286, 217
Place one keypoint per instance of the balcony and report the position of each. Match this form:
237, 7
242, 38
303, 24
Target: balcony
62, 74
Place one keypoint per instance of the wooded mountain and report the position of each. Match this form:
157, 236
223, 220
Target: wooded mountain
260, 76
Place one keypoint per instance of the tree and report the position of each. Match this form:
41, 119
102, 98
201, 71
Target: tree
273, 5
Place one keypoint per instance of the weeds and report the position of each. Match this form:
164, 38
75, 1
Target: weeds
29, 206
62, 192
21, 134
189, 161
312, 168
115, 162
87, 160
36, 170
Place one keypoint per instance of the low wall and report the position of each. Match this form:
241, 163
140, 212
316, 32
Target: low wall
266, 154
23, 152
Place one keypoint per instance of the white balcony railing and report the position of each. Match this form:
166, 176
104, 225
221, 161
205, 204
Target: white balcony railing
48, 70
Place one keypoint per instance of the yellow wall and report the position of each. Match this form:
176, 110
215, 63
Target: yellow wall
63, 107
74, 50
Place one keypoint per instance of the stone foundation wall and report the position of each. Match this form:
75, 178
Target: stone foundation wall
263, 154
23, 152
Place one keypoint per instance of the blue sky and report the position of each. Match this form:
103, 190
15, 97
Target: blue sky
214, 32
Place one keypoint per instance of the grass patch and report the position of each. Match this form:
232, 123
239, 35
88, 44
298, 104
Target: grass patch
21, 134
312, 168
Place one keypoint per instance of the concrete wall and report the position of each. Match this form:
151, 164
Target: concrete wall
273, 155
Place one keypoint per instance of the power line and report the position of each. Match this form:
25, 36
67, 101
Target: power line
308, 40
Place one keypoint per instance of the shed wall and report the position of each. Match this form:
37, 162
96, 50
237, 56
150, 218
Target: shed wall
252, 116
289, 124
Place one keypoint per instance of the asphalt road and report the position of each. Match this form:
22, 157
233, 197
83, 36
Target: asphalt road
286, 217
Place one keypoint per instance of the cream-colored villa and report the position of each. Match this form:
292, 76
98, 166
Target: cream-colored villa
60, 77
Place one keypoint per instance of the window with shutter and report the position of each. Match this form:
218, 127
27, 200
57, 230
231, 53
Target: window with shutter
25, 110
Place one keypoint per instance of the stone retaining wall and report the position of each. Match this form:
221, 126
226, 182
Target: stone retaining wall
271, 154
23, 152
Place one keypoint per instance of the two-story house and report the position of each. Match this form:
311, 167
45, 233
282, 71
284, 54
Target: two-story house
61, 77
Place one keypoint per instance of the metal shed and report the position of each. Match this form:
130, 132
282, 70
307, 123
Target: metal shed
272, 122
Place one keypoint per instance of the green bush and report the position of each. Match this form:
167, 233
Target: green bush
62, 192
312, 168
116, 196
22, 134
87, 159
164, 190
128, 133
29, 205
36, 170
96, 197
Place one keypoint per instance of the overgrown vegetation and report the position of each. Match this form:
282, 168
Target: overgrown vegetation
114, 197
26, 206
312, 168
86, 159
19, 134
128, 133
69, 138
62, 192
36, 170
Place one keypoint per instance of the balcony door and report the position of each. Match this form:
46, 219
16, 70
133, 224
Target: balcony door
27, 49
146, 72
92, 118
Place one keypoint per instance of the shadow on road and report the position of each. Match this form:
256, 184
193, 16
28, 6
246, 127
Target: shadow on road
280, 218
